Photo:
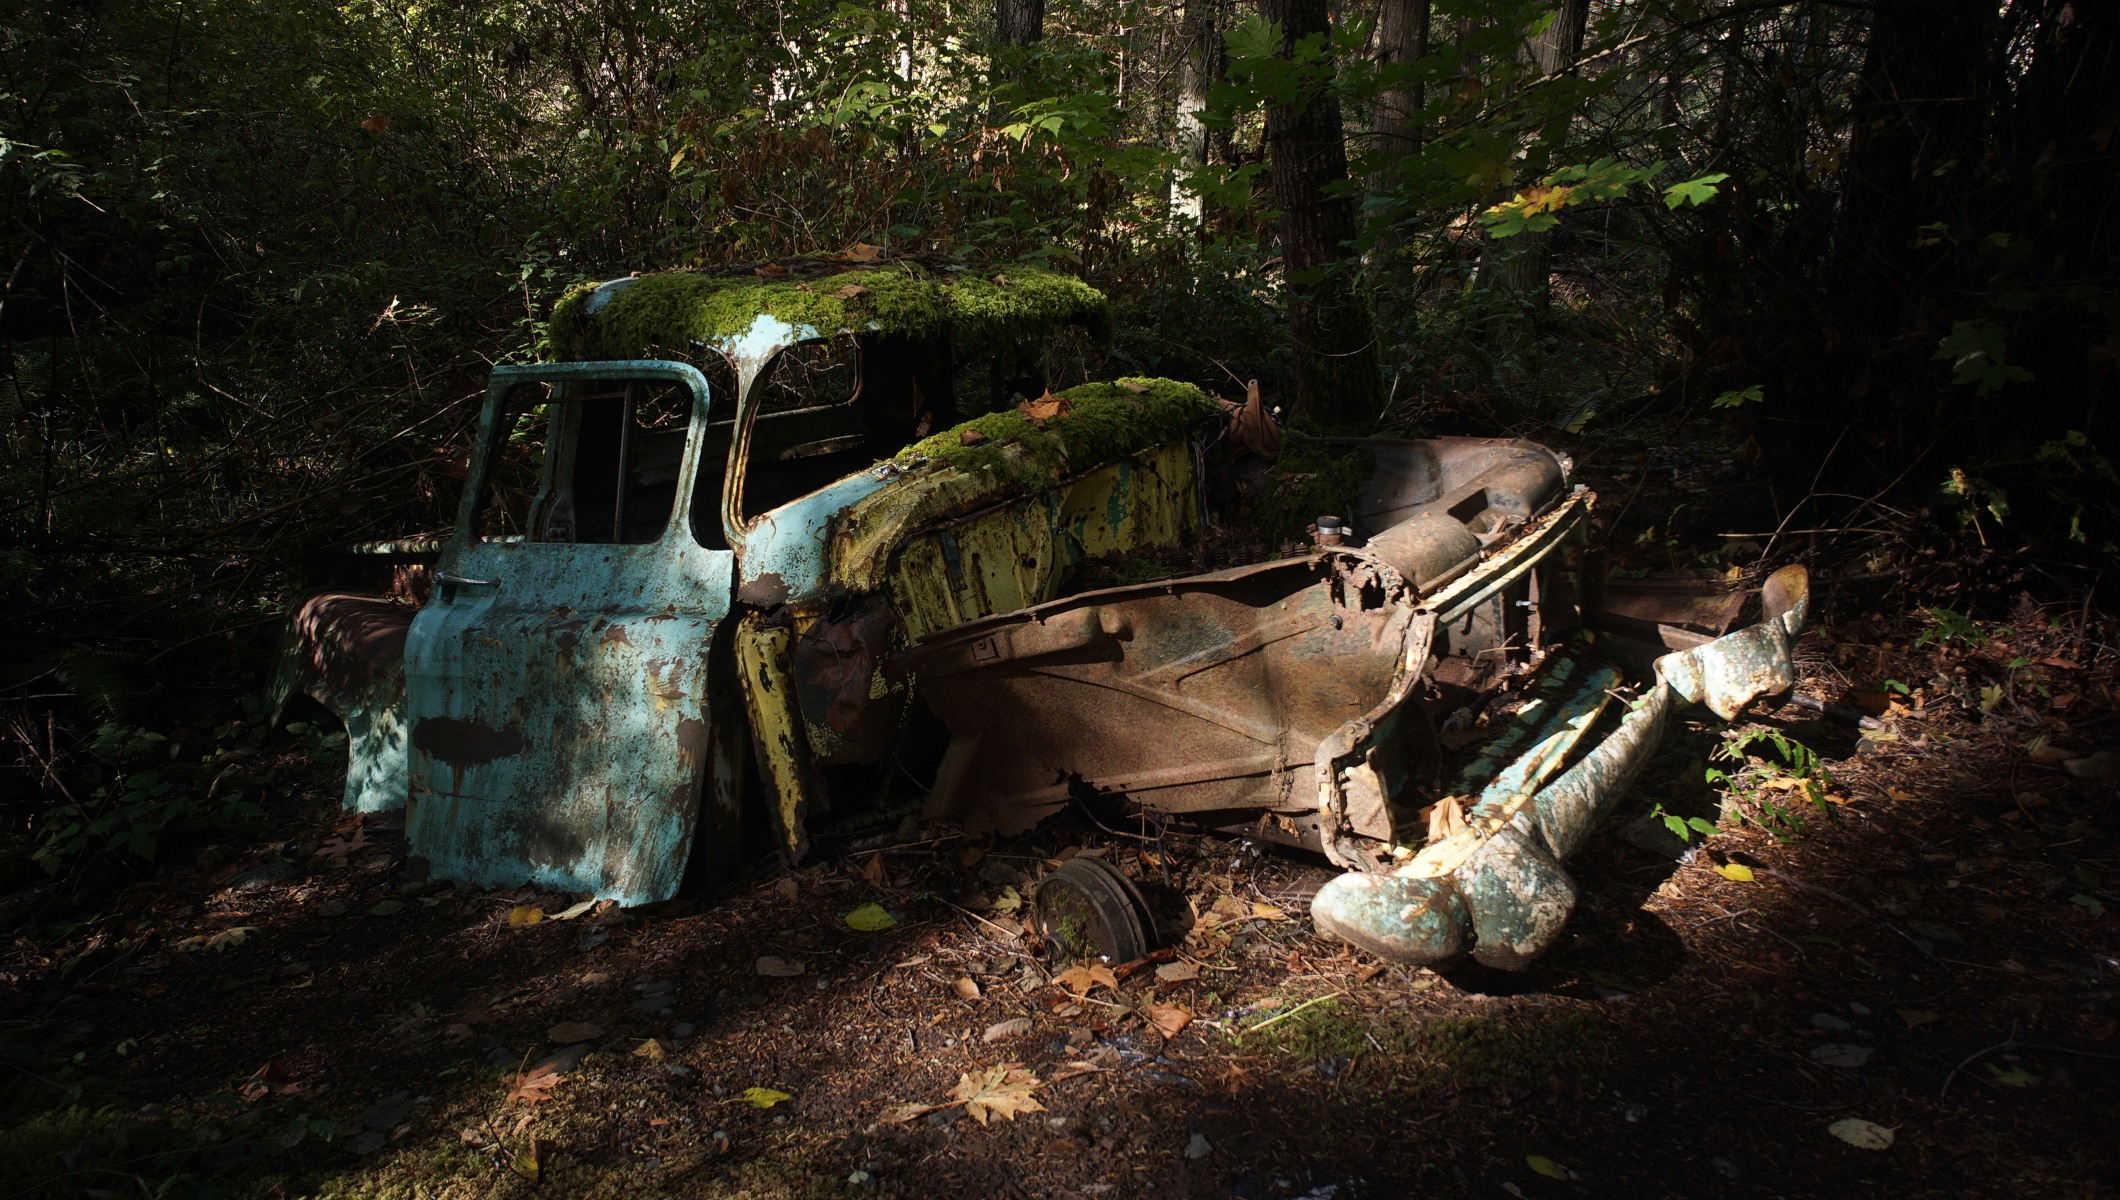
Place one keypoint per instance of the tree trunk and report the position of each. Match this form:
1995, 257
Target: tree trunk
1919, 109
1019, 22
1402, 40
1336, 360
1198, 68
1523, 264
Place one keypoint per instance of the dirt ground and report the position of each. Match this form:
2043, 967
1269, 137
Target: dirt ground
1932, 947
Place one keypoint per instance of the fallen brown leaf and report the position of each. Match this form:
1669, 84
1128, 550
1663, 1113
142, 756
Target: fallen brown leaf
1083, 977
1046, 407
970, 437
1000, 1091
850, 291
1169, 1019
535, 1086
1176, 972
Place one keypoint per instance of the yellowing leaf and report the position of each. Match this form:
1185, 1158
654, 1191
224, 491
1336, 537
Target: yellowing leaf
1009, 901
1737, 871
1267, 911
231, 937
1002, 1091
1861, 1134
759, 1097
652, 1049
965, 988
572, 911
870, 918
2016, 1077
861, 252
524, 914
1899, 794
1545, 1166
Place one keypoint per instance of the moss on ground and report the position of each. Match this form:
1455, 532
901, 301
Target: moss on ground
1449, 1051
669, 315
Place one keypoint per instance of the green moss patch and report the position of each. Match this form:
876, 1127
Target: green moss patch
672, 314
943, 477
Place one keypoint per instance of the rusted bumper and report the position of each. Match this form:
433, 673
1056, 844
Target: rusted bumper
1496, 889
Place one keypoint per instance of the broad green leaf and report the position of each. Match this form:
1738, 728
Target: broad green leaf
869, 918
1696, 191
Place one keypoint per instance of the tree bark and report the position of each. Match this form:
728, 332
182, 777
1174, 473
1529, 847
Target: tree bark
1336, 360
1019, 22
1402, 40
1198, 68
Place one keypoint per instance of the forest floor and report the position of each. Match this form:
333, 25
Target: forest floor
1935, 952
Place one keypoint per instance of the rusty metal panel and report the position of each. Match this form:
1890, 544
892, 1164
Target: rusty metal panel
1204, 695
348, 653
558, 694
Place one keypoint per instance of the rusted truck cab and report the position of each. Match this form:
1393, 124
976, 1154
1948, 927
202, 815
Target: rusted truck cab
748, 541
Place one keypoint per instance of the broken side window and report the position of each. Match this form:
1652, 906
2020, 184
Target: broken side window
595, 461
811, 426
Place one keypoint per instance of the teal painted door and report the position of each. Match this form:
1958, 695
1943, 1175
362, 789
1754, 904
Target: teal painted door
563, 728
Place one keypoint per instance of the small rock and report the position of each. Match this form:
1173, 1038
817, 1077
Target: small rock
999, 1030
1820, 1020
1840, 1054
1198, 1147
778, 968
265, 875
559, 1062
1648, 832
1860, 1010
1724, 1167
389, 1112
367, 1143
655, 1006
2103, 766
568, 1032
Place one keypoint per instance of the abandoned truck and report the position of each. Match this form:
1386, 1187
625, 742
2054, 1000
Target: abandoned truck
719, 551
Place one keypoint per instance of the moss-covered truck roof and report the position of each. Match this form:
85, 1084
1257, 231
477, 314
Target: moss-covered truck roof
674, 314
1012, 455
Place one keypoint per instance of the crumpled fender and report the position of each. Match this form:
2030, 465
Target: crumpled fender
1497, 889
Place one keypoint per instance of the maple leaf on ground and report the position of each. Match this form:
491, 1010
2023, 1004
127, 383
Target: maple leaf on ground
536, 1085
1003, 1091
342, 845
1083, 977
861, 252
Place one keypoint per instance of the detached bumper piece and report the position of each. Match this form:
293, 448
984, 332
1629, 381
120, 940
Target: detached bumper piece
1496, 889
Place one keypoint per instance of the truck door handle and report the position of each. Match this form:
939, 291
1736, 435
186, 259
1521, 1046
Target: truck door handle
464, 580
